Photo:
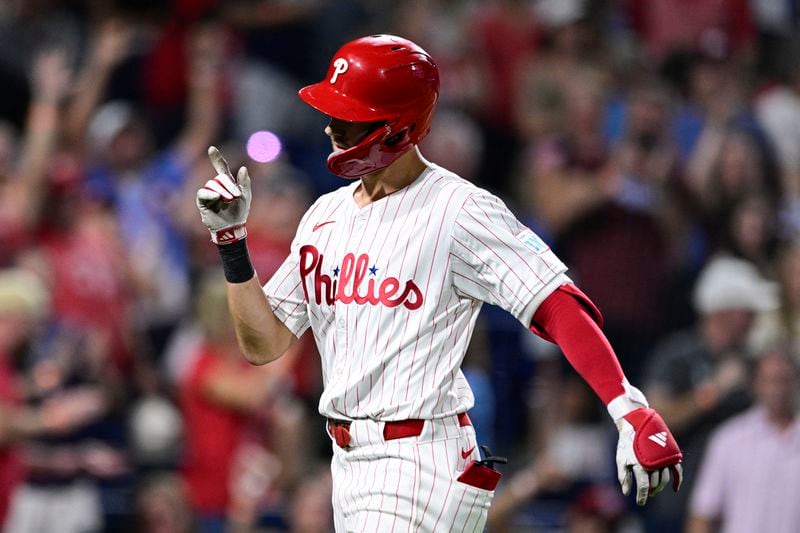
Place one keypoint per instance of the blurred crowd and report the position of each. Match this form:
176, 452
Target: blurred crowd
654, 144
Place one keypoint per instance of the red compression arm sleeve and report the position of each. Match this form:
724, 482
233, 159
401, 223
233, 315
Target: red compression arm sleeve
565, 320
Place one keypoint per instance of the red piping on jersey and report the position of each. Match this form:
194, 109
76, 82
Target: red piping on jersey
570, 319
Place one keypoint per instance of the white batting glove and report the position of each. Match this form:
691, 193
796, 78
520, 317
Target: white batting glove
224, 202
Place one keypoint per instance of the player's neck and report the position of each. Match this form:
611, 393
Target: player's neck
396, 176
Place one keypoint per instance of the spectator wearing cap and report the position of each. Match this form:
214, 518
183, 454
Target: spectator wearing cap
697, 377
748, 479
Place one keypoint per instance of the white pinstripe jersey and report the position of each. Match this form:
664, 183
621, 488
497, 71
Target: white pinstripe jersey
392, 291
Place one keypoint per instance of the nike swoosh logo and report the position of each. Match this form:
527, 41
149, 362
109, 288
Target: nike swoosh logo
467, 453
317, 226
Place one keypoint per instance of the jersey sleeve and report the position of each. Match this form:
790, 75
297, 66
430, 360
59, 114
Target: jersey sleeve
494, 258
284, 290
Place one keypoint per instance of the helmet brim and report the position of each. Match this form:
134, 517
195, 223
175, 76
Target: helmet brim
326, 99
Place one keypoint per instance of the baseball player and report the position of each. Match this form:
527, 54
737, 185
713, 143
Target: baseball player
390, 272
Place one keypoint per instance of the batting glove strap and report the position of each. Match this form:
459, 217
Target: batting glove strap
630, 400
653, 443
222, 237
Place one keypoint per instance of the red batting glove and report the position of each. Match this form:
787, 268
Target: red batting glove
648, 453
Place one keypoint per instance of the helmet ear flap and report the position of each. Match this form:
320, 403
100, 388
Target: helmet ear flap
400, 141
399, 137
376, 151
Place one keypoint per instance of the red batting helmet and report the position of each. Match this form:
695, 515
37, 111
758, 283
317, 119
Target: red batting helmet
380, 78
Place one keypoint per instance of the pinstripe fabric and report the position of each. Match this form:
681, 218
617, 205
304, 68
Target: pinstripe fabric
439, 247
407, 484
391, 292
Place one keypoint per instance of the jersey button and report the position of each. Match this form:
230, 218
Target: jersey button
341, 322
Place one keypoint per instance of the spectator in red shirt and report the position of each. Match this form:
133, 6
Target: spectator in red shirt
221, 396
506, 36
92, 294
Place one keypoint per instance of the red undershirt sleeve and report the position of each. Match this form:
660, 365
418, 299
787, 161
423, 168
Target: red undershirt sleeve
568, 318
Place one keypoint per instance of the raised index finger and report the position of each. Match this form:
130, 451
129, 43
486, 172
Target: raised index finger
218, 162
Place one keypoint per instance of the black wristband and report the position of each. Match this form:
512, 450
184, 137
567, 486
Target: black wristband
236, 261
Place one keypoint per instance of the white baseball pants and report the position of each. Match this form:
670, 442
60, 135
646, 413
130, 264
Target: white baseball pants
407, 484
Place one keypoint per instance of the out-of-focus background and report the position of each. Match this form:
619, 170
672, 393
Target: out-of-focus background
655, 144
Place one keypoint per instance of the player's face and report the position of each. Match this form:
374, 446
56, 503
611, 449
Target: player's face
345, 134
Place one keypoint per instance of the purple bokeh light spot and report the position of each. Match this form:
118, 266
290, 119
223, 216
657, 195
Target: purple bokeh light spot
263, 146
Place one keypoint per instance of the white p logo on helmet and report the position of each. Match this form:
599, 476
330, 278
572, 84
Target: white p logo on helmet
339, 67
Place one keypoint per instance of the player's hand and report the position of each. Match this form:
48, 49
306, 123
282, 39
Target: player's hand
224, 201
648, 454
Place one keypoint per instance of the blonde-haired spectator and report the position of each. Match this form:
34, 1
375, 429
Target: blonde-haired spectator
23, 303
51, 483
